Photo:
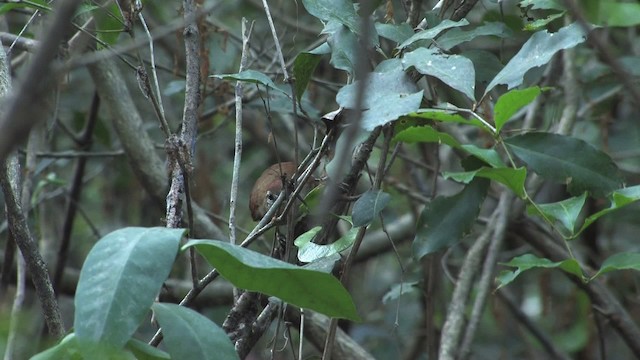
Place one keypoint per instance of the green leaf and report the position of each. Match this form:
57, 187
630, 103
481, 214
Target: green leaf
542, 4
446, 219
568, 160
454, 70
387, 96
253, 271
512, 178
621, 261
618, 199
509, 103
143, 351
426, 134
397, 290
303, 67
566, 212
457, 36
310, 252
251, 76
430, 34
341, 11
542, 23
32, 4
73, 348
189, 335
445, 116
119, 280
617, 13
537, 51
489, 156
529, 261
108, 24
368, 206
66, 349
393, 32
344, 46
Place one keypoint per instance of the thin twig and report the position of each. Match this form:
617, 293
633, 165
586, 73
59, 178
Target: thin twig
16, 120
452, 328
75, 190
484, 283
237, 156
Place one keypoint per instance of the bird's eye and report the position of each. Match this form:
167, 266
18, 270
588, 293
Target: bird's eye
271, 197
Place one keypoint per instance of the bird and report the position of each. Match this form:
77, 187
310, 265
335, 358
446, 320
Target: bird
268, 186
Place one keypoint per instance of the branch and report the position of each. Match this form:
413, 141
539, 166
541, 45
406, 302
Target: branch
9, 175
140, 151
17, 119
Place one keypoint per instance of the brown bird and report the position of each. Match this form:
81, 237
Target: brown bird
267, 188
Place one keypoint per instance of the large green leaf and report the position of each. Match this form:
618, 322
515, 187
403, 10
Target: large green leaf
190, 335
446, 219
341, 11
457, 36
387, 96
568, 160
529, 261
368, 206
119, 280
537, 51
430, 34
454, 70
509, 103
253, 271
512, 178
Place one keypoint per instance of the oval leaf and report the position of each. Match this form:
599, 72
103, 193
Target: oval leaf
251, 76
537, 51
189, 335
429, 34
253, 271
567, 160
388, 96
341, 11
309, 251
528, 261
454, 70
622, 261
446, 219
416, 134
565, 212
119, 280
512, 178
368, 206
509, 103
